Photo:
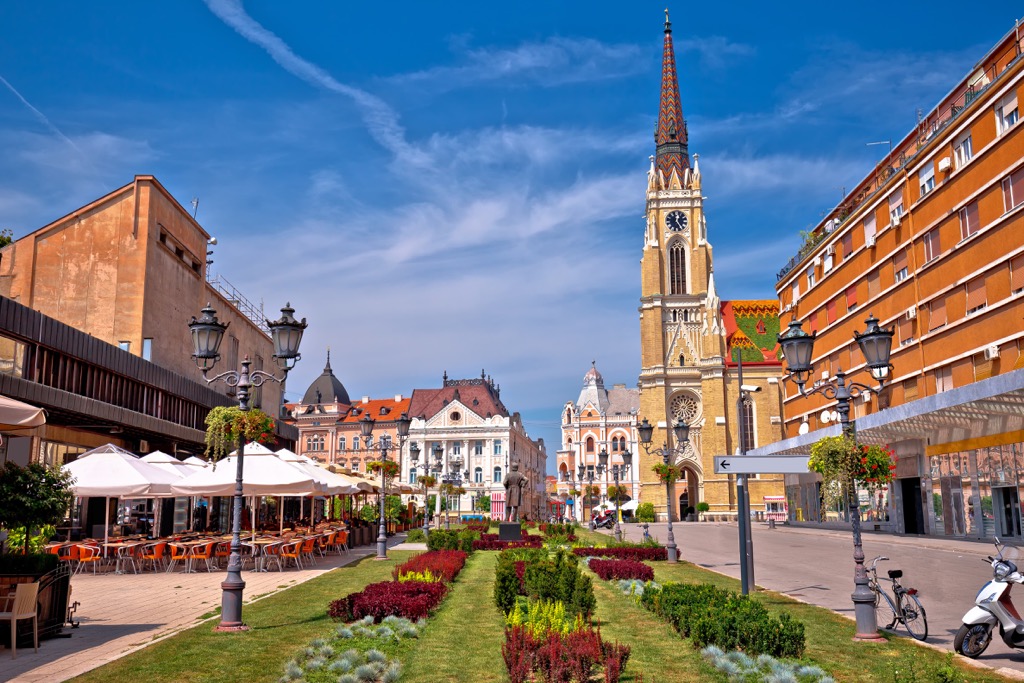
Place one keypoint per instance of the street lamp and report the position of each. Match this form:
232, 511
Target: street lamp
876, 345
207, 333
453, 480
383, 445
617, 470
438, 451
414, 457
587, 474
681, 433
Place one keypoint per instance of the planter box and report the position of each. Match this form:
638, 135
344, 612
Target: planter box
51, 603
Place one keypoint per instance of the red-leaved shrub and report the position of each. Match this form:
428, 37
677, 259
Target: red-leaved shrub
625, 553
409, 599
561, 658
445, 564
621, 569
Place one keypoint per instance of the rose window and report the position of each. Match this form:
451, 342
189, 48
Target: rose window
684, 407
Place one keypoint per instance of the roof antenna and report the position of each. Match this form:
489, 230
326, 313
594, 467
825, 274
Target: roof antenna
195, 207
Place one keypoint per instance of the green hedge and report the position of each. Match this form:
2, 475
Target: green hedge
33, 564
713, 616
441, 539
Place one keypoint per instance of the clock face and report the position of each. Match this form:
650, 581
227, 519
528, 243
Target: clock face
676, 221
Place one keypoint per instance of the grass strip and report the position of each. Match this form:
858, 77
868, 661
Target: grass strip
462, 641
830, 642
279, 625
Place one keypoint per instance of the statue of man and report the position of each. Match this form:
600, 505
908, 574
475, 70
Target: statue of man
514, 484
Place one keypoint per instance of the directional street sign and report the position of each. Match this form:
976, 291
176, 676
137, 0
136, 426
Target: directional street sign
761, 464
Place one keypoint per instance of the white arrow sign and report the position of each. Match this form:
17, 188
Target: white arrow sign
761, 464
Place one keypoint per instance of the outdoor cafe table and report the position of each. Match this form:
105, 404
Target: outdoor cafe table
259, 546
122, 550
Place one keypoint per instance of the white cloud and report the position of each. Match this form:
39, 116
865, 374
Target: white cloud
715, 51
555, 61
731, 175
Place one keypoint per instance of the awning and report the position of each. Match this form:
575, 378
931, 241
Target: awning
15, 415
110, 471
987, 408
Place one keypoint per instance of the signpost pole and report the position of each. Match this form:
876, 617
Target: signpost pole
742, 497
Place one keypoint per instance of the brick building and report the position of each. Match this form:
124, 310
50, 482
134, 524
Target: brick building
931, 242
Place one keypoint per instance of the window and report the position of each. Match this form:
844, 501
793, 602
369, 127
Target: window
1017, 274
341, 443
851, 298
497, 474
943, 379
874, 284
796, 292
869, 229
497, 446
412, 475
1006, 113
932, 249
937, 314
385, 441
963, 149
478, 448
590, 444
147, 348
896, 205
615, 444
355, 466
968, 220
810, 277
812, 322
976, 297
125, 346
847, 242
830, 312
478, 475
926, 178
1013, 189
747, 417
355, 443
899, 266
829, 260
12, 357
906, 329
677, 268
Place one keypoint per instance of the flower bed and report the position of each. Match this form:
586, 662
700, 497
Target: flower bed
527, 542
621, 569
408, 599
555, 656
444, 564
352, 652
625, 553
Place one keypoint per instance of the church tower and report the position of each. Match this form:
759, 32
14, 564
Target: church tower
681, 331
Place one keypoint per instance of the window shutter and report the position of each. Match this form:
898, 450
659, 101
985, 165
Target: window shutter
937, 315
906, 328
975, 293
830, 312
869, 228
1017, 186
847, 245
910, 390
1017, 273
851, 298
899, 260
874, 286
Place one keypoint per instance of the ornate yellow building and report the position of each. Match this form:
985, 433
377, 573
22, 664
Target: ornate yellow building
691, 341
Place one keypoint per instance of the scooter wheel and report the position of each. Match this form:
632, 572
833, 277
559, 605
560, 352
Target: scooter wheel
972, 639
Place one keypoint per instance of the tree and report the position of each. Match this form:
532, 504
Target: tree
6, 237
483, 503
393, 507
33, 496
645, 512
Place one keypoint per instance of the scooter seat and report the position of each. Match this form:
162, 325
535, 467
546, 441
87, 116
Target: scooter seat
895, 573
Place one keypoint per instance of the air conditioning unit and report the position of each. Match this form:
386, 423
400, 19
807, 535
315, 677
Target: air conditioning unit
991, 352
830, 250
897, 216
817, 260
911, 312
870, 241
945, 164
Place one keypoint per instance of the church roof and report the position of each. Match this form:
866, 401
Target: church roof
326, 388
751, 331
670, 136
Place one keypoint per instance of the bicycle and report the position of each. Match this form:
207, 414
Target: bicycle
907, 608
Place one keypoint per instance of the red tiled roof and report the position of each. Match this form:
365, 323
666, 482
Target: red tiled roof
479, 398
392, 410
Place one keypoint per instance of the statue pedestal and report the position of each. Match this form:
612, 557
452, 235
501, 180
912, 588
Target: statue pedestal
510, 531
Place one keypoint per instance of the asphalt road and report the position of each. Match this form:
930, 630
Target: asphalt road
816, 566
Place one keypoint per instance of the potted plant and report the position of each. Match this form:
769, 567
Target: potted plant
667, 473
691, 514
845, 465
702, 508
224, 423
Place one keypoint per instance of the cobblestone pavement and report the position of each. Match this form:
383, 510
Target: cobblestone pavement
816, 565
123, 613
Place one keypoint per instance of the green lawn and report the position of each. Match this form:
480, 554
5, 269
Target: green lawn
280, 625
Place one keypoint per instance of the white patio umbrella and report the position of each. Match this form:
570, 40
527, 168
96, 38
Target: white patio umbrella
15, 415
264, 474
168, 463
113, 472
629, 505
195, 462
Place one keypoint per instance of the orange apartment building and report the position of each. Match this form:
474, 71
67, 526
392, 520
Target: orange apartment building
932, 243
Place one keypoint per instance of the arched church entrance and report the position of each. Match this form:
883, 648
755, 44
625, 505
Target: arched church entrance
687, 489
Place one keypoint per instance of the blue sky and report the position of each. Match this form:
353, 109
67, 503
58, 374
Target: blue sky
458, 186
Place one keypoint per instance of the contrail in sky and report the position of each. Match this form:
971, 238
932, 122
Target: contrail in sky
381, 119
41, 116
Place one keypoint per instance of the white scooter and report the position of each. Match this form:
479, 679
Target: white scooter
993, 606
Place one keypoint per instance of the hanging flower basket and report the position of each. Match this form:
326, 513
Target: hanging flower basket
224, 423
667, 473
842, 462
390, 467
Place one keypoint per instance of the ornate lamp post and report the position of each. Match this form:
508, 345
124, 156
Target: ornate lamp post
207, 334
437, 468
617, 471
383, 445
454, 480
414, 457
587, 474
876, 345
681, 433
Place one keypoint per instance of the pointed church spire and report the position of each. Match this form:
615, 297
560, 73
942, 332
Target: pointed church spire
670, 135
327, 368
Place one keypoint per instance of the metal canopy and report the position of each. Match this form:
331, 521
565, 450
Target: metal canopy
986, 408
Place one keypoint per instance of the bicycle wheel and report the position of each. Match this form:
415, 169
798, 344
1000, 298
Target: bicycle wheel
913, 617
885, 610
